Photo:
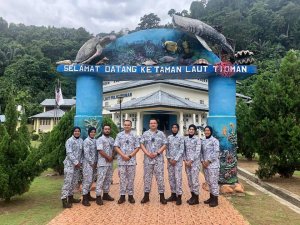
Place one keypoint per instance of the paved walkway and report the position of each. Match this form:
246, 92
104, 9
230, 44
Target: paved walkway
153, 212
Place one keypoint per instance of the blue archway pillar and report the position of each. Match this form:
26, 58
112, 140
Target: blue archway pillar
89, 90
222, 118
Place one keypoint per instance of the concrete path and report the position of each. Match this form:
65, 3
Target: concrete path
153, 212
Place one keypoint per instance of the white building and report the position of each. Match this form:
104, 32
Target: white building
170, 101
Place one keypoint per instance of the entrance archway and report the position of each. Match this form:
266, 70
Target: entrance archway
163, 54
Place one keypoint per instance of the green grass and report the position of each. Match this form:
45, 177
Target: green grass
38, 206
297, 173
259, 208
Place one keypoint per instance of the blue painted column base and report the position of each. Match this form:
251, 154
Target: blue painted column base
88, 103
225, 131
222, 101
85, 122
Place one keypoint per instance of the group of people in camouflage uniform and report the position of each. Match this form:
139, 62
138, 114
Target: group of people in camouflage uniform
95, 156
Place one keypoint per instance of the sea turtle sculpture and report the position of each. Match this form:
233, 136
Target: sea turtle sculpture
93, 49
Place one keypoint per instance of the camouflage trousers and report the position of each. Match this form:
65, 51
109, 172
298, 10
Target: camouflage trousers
175, 177
212, 178
126, 175
88, 176
158, 170
193, 177
104, 178
71, 176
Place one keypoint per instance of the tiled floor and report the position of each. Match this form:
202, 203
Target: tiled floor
153, 212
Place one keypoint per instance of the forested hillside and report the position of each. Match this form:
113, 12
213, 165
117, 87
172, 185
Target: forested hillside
28, 54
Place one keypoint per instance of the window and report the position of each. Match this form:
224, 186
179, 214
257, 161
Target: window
201, 101
187, 98
106, 104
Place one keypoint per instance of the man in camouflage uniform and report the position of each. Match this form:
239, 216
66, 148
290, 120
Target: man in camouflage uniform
153, 143
105, 145
72, 165
89, 165
174, 154
192, 163
126, 145
211, 164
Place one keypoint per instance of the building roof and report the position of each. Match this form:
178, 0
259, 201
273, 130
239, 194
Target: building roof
160, 99
50, 114
51, 102
2, 118
182, 83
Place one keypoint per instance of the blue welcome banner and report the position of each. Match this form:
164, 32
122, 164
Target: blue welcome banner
125, 72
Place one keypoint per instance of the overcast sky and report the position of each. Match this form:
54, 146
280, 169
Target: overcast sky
94, 15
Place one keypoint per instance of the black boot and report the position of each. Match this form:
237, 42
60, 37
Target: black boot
85, 200
208, 200
178, 200
172, 198
90, 197
195, 200
122, 199
71, 199
131, 199
145, 198
162, 198
214, 202
107, 197
192, 197
65, 203
99, 200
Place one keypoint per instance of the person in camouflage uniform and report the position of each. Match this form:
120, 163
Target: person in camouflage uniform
175, 149
89, 165
153, 143
211, 165
72, 164
126, 145
105, 145
192, 163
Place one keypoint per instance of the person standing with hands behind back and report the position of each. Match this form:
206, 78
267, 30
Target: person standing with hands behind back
105, 145
211, 164
72, 164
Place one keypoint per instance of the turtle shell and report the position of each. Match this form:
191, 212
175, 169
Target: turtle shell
87, 50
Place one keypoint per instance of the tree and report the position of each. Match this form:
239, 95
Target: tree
148, 21
275, 119
19, 163
53, 145
171, 12
197, 9
244, 130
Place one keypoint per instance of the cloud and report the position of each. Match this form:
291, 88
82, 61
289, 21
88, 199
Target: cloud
94, 15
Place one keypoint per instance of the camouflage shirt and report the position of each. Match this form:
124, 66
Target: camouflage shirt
107, 145
74, 148
175, 147
192, 148
153, 142
210, 152
127, 143
90, 150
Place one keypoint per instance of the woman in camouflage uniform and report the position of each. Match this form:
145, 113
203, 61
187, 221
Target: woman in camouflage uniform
72, 164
